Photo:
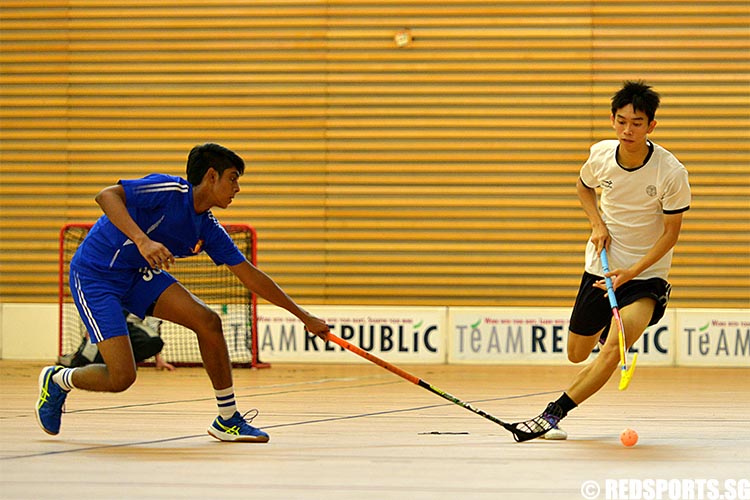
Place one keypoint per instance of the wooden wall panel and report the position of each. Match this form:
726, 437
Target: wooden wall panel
439, 173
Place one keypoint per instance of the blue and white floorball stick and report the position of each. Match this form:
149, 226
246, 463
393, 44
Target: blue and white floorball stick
625, 373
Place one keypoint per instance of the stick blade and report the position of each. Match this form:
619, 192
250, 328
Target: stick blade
523, 432
627, 375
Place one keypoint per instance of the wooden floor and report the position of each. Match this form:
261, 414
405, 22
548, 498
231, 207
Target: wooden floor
359, 432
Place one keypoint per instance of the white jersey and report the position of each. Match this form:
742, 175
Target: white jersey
633, 203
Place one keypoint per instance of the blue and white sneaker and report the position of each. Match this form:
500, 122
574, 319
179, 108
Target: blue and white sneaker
51, 402
237, 428
555, 434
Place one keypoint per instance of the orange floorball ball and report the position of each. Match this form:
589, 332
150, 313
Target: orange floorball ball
629, 437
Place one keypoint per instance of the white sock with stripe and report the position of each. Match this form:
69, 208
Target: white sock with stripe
226, 402
64, 378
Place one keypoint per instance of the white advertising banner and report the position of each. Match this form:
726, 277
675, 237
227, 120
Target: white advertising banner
495, 335
710, 337
535, 336
396, 334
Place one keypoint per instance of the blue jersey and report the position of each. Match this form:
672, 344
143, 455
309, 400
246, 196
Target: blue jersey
162, 206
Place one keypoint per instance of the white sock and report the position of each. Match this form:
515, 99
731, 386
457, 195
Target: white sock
226, 403
64, 378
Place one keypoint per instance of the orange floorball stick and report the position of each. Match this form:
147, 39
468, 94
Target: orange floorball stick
417, 381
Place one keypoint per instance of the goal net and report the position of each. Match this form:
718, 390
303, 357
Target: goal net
214, 285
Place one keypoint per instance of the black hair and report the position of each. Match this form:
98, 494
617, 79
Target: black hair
210, 155
641, 96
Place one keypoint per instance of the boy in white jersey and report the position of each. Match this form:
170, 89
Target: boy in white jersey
644, 192
122, 264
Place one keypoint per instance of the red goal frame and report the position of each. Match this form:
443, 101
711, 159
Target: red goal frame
255, 361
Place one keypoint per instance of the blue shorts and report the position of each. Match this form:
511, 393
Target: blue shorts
101, 297
592, 310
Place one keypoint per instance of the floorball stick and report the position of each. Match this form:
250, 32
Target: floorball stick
418, 381
626, 373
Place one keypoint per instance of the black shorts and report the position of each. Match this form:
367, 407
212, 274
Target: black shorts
592, 311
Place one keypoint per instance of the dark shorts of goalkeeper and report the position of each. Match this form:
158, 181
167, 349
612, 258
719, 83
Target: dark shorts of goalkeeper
144, 344
592, 311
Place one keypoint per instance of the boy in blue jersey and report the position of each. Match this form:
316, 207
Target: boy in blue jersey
123, 263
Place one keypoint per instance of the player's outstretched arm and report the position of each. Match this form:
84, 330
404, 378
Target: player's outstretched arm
260, 283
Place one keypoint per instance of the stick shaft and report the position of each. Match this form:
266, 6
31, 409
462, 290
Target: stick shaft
608, 280
374, 359
626, 373
413, 379
615, 308
621, 327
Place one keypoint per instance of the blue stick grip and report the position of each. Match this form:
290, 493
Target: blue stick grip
608, 280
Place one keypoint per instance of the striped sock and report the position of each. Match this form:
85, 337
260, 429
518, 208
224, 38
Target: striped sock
64, 378
226, 403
